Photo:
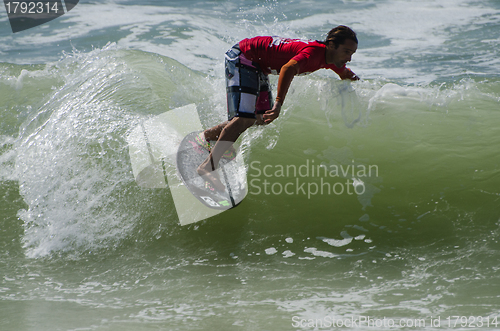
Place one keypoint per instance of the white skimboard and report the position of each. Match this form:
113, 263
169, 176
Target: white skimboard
154, 148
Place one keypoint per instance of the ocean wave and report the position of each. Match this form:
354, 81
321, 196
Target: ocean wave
68, 152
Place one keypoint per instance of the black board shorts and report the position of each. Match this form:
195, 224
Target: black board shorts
247, 87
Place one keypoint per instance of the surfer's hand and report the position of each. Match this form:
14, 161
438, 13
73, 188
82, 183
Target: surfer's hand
272, 114
260, 119
348, 74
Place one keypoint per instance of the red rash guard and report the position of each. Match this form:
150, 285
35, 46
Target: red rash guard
292, 56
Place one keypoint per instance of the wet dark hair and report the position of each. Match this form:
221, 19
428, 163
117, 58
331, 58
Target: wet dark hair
339, 34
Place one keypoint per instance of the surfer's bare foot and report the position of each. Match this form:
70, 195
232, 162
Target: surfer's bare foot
205, 171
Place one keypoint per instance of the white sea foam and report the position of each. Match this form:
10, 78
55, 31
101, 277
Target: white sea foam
67, 161
393, 35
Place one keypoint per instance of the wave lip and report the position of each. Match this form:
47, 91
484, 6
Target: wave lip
71, 156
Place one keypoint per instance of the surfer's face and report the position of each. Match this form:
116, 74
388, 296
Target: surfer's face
341, 54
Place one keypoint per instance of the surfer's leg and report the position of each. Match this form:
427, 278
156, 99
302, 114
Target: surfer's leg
212, 134
243, 82
228, 136
242, 88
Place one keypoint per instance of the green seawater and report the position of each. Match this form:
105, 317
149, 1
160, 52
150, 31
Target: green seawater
82, 247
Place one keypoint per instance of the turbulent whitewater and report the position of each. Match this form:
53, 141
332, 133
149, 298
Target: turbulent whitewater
378, 198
